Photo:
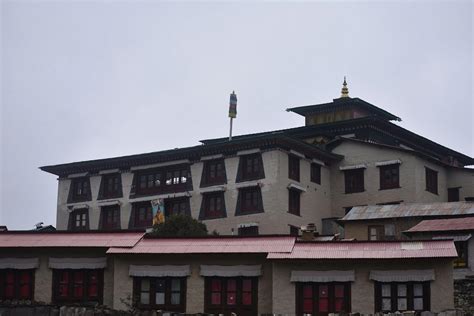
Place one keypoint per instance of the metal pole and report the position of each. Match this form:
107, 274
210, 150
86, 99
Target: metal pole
230, 131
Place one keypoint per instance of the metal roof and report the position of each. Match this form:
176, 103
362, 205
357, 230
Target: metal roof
263, 244
409, 210
369, 250
52, 239
448, 224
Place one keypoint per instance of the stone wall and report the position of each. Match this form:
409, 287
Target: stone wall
464, 295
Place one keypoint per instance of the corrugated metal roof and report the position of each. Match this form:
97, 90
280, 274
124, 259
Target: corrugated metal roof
448, 224
409, 210
369, 250
264, 244
38, 239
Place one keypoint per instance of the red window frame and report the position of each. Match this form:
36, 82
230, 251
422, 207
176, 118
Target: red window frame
323, 298
79, 220
249, 201
389, 177
250, 168
294, 167
213, 205
162, 180
354, 180
17, 284
177, 206
142, 215
81, 190
111, 186
213, 173
78, 285
224, 295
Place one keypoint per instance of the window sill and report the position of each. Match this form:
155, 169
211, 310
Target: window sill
435, 193
354, 192
259, 177
299, 215
393, 188
117, 196
217, 183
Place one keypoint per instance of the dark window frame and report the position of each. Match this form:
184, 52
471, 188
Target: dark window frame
354, 180
248, 231
107, 213
389, 177
110, 186
71, 284
256, 201
453, 194
431, 179
177, 206
462, 261
83, 185
315, 173
135, 222
168, 291
394, 296
73, 220
294, 201
250, 168
213, 173
294, 167
209, 206
17, 284
169, 179
224, 308
315, 298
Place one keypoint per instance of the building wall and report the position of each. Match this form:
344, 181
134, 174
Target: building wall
360, 229
123, 283
412, 178
362, 289
315, 202
462, 178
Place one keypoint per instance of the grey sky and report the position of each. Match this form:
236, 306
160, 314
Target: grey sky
93, 79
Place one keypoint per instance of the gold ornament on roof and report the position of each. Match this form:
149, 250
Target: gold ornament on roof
344, 90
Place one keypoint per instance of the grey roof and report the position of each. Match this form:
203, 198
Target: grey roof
410, 210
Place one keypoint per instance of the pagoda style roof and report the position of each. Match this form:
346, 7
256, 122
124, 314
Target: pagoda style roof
341, 103
267, 141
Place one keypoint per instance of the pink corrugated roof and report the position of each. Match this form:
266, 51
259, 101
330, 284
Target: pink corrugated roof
369, 250
263, 244
448, 224
37, 239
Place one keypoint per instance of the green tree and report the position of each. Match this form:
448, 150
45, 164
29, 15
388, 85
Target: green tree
179, 226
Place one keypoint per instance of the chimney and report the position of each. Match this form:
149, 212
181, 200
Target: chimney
308, 232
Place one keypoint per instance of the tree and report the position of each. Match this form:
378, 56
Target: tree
179, 226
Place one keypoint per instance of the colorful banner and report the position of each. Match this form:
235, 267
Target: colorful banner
233, 105
158, 209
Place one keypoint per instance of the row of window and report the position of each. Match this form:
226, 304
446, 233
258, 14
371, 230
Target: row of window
178, 178
222, 295
249, 201
389, 179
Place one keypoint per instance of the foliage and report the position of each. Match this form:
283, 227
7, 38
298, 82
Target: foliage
180, 226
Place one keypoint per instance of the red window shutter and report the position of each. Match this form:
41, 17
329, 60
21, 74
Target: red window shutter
78, 284
25, 285
93, 284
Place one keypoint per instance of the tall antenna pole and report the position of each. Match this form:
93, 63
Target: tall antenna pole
232, 111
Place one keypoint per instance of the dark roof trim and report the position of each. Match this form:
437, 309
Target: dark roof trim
194, 153
343, 102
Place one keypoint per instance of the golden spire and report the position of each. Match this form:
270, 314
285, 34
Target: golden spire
344, 90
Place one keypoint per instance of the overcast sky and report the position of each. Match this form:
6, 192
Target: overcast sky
94, 79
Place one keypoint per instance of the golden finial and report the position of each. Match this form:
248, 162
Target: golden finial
344, 90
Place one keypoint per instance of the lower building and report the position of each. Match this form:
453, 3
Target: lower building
227, 274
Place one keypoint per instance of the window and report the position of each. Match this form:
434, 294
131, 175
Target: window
110, 186
392, 297
431, 180
462, 250
226, 295
250, 168
16, 284
78, 286
213, 173
376, 232
453, 194
249, 201
110, 217
316, 173
294, 231
389, 177
248, 231
294, 167
165, 293
80, 190
212, 206
323, 298
162, 180
141, 216
79, 219
294, 201
354, 180
469, 198
177, 206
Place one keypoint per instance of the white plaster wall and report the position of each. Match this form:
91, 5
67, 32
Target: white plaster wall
463, 179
